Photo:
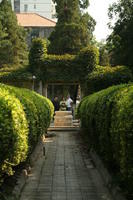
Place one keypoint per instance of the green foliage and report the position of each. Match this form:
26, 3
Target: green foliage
88, 58
24, 116
37, 54
73, 30
13, 133
108, 119
59, 68
104, 58
83, 3
13, 48
69, 67
5, 47
103, 77
15, 73
120, 42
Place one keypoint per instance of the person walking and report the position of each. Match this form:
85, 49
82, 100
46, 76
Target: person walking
69, 103
56, 104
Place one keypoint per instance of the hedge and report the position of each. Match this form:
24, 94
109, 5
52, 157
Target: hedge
24, 116
59, 68
13, 132
103, 77
88, 58
53, 68
107, 117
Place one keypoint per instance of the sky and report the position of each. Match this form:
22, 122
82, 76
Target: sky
98, 9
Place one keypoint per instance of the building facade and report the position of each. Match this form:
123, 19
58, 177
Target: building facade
37, 26
45, 8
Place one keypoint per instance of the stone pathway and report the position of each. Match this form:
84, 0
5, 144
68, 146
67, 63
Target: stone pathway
67, 172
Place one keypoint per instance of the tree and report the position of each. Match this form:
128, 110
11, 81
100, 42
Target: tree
37, 54
120, 42
73, 30
5, 48
12, 41
103, 54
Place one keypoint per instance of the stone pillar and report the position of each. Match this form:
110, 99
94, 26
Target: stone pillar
53, 95
44, 90
81, 91
40, 88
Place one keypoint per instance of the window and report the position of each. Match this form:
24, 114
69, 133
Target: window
25, 7
17, 6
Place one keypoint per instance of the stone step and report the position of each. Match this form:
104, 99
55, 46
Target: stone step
63, 128
60, 124
63, 113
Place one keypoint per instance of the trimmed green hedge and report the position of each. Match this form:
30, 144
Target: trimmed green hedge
103, 77
107, 117
88, 58
59, 68
13, 132
69, 67
24, 116
54, 68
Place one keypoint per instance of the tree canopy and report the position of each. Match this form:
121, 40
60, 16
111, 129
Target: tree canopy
120, 42
13, 48
74, 29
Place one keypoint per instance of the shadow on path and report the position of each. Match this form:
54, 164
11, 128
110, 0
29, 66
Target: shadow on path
66, 173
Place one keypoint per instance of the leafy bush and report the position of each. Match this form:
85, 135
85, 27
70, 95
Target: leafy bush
88, 57
13, 132
103, 77
37, 53
59, 68
70, 67
18, 73
107, 116
31, 113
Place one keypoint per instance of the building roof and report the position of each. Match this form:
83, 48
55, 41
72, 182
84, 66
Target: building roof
34, 20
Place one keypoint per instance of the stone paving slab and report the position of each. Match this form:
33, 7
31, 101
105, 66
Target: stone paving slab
67, 173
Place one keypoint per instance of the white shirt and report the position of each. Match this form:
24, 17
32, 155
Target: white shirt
68, 102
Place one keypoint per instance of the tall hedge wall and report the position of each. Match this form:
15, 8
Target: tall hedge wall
24, 116
62, 68
107, 117
103, 77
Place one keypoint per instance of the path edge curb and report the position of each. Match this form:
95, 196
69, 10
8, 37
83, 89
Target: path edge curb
23, 178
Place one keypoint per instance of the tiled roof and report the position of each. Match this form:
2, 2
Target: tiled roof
34, 20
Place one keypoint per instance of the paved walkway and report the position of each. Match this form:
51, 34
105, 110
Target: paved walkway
67, 173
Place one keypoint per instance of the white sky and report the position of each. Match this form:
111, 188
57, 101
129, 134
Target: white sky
98, 9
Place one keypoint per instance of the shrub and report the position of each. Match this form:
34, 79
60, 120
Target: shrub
24, 116
88, 57
15, 74
38, 109
13, 132
37, 53
103, 77
70, 67
59, 68
107, 116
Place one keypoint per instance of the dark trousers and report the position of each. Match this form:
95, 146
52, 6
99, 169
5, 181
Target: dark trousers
69, 109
